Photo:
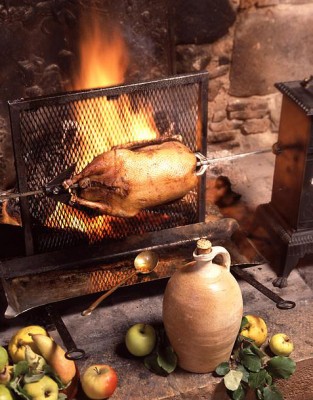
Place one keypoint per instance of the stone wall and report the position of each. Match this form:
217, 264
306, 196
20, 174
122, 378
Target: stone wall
269, 41
245, 45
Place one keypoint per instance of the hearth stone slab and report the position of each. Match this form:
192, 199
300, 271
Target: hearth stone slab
101, 335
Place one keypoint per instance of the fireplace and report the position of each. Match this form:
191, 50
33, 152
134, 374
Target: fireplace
46, 131
68, 112
70, 251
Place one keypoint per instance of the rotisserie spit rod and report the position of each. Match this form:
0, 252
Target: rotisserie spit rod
128, 178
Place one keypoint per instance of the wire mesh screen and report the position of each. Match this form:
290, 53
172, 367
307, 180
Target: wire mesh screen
52, 133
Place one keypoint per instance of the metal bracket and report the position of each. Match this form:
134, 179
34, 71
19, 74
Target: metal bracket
72, 353
280, 303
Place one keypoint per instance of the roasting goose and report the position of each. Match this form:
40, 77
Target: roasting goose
127, 179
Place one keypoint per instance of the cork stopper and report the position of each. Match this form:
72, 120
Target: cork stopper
204, 246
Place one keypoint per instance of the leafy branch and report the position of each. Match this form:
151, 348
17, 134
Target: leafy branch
24, 373
250, 369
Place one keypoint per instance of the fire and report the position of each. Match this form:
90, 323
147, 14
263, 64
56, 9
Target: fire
7, 215
103, 62
103, 55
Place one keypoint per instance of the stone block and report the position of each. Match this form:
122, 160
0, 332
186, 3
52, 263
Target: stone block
214, 88
247, 114
271, 45
247, 104
251, 126
242, 109
219, 116
225, 125
223, 136
218, 71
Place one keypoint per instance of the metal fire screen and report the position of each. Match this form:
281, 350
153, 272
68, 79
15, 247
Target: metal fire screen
51, 133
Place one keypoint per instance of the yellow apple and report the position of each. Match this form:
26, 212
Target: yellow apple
5, 393
44, 389
281, 344
255, 329
21, 338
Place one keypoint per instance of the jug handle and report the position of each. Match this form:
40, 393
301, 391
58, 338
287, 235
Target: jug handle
219, 250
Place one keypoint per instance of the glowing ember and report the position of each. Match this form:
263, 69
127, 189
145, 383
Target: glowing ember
8, 216
103, 62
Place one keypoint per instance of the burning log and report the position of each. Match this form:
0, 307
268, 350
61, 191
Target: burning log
10, 213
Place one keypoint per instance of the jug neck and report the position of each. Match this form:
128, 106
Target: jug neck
205, 253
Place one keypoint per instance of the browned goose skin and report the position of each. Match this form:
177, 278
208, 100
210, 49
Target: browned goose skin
126, 179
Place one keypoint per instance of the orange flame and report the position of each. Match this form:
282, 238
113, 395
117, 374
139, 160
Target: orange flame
103, 55
7, 217
103, 62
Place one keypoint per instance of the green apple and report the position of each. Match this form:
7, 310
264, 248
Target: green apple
4, 358
255, 329
281, 344
5, 393
140, 339
45, 389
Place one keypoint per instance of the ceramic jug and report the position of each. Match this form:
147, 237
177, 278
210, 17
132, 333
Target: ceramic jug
202, 309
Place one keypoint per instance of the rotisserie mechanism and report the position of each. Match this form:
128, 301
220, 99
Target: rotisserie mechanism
128, 178
202, 310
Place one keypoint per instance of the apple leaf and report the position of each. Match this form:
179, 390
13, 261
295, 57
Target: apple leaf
246, 341
222, 369
245, 376
257, 379
232, 379
21, 368
272, 393
151, 363
244, 322
62, 396
281, 367
257, 351
163, 359
238, 394
17, 389
28, 378
250, 360
269, 379
167, 359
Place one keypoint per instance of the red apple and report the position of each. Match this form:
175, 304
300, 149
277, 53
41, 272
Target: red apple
5, 375
99, 381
